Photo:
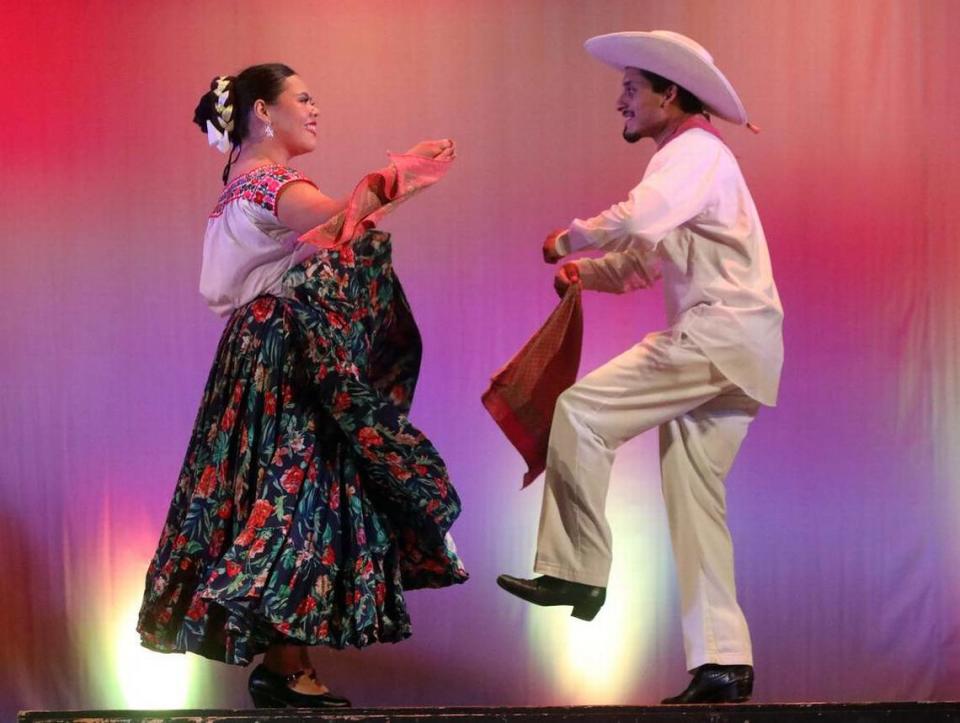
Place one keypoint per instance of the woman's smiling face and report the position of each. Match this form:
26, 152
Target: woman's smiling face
293, 117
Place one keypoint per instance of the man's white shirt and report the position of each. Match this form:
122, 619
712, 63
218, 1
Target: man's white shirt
691, 220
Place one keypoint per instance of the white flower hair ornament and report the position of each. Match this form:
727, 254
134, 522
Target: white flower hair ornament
219, 138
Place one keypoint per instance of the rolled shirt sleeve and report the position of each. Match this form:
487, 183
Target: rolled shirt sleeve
676, 188
619, 271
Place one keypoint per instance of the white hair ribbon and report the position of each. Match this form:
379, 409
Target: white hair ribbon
217, 138
220, 139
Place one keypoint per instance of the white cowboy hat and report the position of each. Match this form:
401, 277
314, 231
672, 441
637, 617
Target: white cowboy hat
677, 58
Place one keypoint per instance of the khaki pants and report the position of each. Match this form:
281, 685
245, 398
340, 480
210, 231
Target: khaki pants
667, 382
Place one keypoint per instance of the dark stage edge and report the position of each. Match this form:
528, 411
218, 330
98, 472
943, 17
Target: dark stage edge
781, 713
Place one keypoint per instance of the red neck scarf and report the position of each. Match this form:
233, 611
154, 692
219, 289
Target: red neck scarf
694, 121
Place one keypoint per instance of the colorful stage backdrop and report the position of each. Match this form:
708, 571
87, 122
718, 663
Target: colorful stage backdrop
844, 503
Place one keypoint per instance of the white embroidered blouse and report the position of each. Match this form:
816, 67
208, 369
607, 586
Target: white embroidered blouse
246, 250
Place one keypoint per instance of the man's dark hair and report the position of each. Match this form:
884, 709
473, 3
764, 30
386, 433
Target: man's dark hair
688, 102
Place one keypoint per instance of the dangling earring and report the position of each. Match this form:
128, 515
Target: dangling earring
268, 131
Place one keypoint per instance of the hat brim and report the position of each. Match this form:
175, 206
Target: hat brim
675, 62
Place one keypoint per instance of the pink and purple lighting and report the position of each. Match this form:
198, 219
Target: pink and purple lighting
843, 504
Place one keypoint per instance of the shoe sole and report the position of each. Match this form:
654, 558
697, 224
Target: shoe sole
263, 700
733, 693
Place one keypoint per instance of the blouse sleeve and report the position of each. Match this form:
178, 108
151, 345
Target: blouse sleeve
272, 184
262, 189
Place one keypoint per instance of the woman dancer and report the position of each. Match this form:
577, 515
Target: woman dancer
307, 501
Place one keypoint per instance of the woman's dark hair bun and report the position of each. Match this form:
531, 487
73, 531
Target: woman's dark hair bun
258, 82
206, 109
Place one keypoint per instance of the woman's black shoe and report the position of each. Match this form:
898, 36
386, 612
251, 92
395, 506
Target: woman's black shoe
717, 684
272, 690
545, 590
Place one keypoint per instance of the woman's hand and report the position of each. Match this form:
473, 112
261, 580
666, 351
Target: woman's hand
441, 150
566, 275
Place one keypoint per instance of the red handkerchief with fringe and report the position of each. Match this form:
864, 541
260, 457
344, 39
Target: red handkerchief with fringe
522, 395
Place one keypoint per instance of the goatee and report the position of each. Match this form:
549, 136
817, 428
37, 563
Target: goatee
631, 137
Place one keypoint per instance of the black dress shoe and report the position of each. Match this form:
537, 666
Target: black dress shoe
546, 590
717, 684
272, 690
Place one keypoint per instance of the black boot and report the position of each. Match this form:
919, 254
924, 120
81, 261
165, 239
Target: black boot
717, 684
272, 690
546, 591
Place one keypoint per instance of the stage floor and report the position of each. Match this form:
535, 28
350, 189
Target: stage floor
781, 713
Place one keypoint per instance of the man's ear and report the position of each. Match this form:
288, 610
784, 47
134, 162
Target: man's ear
669, 95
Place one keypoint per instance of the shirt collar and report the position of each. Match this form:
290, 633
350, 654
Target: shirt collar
694, 121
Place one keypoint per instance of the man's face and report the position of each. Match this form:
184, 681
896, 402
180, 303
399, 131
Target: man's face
640, 107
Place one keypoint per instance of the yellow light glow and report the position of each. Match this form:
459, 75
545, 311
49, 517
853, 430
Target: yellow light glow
599, 662
148, 680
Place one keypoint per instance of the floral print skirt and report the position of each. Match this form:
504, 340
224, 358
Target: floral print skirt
307, 501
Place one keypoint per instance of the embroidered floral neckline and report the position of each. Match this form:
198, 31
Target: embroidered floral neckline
256, 169
259, 185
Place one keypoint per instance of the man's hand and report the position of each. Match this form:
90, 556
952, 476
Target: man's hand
550, 254
566, 275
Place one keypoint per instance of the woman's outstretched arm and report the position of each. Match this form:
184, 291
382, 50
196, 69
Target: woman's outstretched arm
302, 207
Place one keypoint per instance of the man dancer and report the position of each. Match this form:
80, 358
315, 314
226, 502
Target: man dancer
691, 221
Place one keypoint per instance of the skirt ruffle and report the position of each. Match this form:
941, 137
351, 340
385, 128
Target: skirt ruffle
307, 501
